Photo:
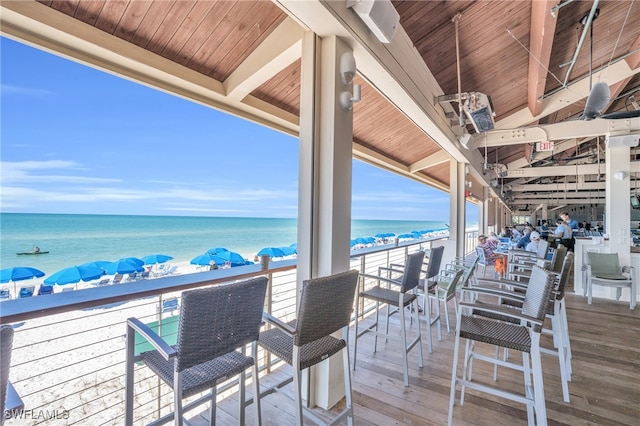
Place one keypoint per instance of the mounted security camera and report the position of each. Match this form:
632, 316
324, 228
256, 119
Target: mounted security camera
347, 67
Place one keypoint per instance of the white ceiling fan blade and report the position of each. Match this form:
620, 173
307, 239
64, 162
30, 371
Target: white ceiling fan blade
622, 114
597, 100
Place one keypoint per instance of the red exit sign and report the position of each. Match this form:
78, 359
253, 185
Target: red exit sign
544, 146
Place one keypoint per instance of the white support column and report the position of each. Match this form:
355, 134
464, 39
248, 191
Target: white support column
457, 204
618, 211
324, 194
486, 209
307, 173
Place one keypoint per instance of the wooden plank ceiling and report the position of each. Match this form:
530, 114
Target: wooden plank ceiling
514, 52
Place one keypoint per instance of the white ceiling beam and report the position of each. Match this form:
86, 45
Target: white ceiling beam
564, 202
561, 195
556, 208
582, 169
554, 187
433, 160
542, 155
559, 131
279, 50
574, 92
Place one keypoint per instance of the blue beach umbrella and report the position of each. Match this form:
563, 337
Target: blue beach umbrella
205, 259
271, 252
133, 260
235, 259
19, 273
102, 264
288, 251
385, 235
74, 274
294, 246
401, 236
124, 266
156, 258
217, 250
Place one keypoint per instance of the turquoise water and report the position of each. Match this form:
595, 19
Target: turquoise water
76, 239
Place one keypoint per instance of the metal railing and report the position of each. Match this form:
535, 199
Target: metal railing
69, 348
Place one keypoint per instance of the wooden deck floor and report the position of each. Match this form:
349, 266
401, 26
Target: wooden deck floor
605, 389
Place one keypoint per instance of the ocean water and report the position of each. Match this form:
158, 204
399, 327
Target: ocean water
76, 239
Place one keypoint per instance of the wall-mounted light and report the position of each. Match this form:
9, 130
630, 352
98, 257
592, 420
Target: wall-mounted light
347, 73
619, 175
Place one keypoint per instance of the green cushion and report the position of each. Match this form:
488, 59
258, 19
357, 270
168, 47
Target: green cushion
611, 276
604, 264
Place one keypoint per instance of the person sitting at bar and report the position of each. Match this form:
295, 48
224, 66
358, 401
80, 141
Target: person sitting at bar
506, 232
534, 238
489, 248
515, 233
524, 240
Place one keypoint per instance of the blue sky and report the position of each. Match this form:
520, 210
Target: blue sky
78, 140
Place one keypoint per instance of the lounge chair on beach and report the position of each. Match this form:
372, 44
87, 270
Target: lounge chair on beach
105, 281
26, 291
5, 294
169, 305
45, 289
117, 278
170, 270
132, 277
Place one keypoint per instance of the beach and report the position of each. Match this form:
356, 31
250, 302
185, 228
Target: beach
77, 239
73, 362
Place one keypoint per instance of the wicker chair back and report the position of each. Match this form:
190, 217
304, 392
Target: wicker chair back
325, 306
412, 271
536, 298
435, 260
217, 320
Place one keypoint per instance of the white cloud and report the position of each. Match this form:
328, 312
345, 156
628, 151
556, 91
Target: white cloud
8, 89
22, 173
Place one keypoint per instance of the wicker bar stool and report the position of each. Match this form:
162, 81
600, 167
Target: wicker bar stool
325, 307
401, 298
556, 312
524, 337
215, 326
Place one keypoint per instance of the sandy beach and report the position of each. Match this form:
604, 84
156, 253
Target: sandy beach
73, 364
